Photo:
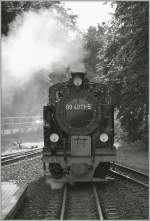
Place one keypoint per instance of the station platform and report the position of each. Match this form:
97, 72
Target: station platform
12, 198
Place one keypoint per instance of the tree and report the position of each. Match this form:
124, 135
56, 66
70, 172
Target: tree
10, 9
94, 41
124, 64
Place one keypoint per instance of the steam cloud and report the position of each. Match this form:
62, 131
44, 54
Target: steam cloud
38, 43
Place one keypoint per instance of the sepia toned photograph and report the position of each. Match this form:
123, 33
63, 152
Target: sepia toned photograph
74, 110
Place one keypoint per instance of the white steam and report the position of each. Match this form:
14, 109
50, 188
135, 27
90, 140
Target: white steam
39, 42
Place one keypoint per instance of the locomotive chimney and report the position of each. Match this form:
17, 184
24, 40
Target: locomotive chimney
78, 74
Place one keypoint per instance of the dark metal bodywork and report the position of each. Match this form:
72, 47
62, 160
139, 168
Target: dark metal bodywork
78, 113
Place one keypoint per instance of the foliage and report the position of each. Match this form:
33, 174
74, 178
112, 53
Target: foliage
124, 65
10, 9
94, 40
118, 54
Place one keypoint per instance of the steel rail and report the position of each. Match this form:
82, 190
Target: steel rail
99, 208
63, 208
18, 155
8, 155
64, 202
13, 155
129, 178
13, 159
119, 165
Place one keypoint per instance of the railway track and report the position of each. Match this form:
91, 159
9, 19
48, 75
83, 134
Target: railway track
120, 198
102, 201
129, 174
123, 199
81, 202
117, 199
14, 157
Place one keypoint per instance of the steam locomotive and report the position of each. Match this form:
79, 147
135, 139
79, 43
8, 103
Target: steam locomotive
78, 130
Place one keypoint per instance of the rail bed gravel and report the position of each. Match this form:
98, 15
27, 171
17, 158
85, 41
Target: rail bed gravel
42, 202
24, 171
129, 199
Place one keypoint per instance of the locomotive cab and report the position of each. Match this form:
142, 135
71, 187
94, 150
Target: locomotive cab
78, 130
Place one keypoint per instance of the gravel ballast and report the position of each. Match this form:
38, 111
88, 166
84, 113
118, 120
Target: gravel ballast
24, 171
130, 199
42, 202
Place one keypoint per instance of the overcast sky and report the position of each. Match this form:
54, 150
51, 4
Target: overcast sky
90, 12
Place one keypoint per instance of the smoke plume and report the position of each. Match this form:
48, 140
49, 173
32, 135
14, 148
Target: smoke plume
38, 43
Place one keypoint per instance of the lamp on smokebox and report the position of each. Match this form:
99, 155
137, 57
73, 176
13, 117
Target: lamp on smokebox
77, 78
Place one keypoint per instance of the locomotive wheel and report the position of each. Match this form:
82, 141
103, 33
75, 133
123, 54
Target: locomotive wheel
56, 170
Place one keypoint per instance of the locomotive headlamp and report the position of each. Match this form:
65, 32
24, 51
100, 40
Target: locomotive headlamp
54, 137
103, 137
77, 81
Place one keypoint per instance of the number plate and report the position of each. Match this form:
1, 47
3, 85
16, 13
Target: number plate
81, 146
